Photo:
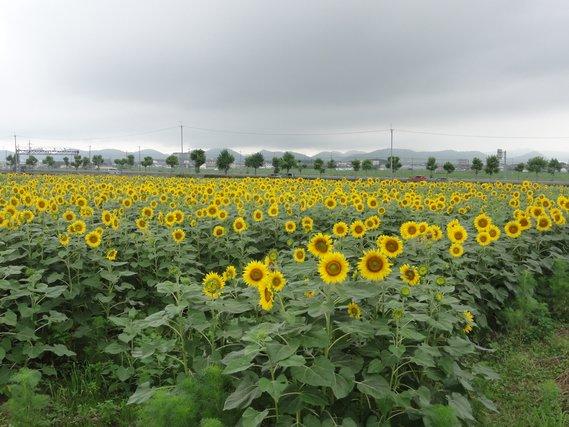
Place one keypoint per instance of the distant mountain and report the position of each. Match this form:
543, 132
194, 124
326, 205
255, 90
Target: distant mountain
404, 154
268, 155
212, 154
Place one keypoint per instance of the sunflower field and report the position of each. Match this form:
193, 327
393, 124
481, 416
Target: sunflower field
260, 301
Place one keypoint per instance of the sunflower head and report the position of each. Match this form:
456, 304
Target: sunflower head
357, 229
333, 267
213, 284
276, 280
255, 273
513, 229
299, 255
178, 235
391, 246
374, 265
456, 250
320, 244
409, 274
266, 296
354, 310
93, 239
239, 225
340, 229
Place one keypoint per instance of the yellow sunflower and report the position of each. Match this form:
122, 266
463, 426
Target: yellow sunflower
213, 284
63, 239
178, 235
354, 310
290, 227
483, 238
391, 246
456, 250
374, 265
230, 273
340, 229
239, 225
320, 244
482, 222
111, 254
299, 255
276, 280
543, 223
409, 230
218, 231
457, 234
266, 296
513, 229
409, 274
333, 267
255, 273
93, 239
357, 229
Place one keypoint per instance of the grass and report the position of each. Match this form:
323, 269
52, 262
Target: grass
533, 389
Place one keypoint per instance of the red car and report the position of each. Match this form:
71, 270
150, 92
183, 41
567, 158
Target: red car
418, 178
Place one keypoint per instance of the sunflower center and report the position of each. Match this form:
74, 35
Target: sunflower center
458, 235
321, 246
333, 268
410, 274
256, 274
391, 246
359, 229
268, 294
374, 264
513, 229
483, 222
412, 229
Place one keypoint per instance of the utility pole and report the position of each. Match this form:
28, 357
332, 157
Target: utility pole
16, 157
139, 157
391, 151
182, 145
89, 157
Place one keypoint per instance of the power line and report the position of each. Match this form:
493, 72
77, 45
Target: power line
479, 136
285, 133
103, 137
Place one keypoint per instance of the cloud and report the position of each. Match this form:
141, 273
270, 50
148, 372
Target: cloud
80, 69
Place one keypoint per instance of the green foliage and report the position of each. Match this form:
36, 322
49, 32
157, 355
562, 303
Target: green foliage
492, 165
49, 161
198, 157
432, 165
224, 161
537, 164
147, 161
367, 165
394, 163
211, 422
172, 161
319, 165
477, 165
25, 406
439, 416
449, 167
98, 160
288, 161
194, 399
356, 164
527, 317
255, 161
31, 161
556, 290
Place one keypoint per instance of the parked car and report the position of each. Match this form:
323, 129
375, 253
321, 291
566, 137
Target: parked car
418, 178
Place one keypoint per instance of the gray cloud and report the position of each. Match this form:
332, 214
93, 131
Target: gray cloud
80, 69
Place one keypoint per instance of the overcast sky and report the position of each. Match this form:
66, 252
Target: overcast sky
77, 69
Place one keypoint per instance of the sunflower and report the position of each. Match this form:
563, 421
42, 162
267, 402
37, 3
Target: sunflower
340, 229
77, 227
255, 273
266, 296
141, 224
320, 244
391, 246
409, 230
483, 238
457, 234
354, 310
290, 227
333, 267
41, 205
239, 225
310, 294
213, 284
178, 235
276, 280
357, 229
93, 239
374, 265
456, 250
147, 211
257, 215
469, 318
307, 224
63, 239
434, 232
543, 223
494, 232
513, 229
273, 210
230, 273
330, 202
218, 231
299, 255
69, 216
409, 274
111, 254
482, 222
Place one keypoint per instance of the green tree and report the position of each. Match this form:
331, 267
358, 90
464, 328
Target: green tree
10, 160
85, 162
319, 165
130, 160
31, 161
120, 163
520, 168
432, 165
172, 161
224, 161
394, 163
77, 162
356, 165
198, 157
331, 164
98, 160
48, 161
367, 165
477, 165
449, 167
553, 166
66, 161
276, 163
255, 161
492, 165
147, 161
288, 161
537, 164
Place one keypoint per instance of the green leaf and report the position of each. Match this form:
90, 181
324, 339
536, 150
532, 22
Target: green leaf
461, 405
343, 383
278, 352
142, 394
60, 350
123, 373
375, 386
114, 348
294, 360
10, 318
274, 388
253, 418
247, 391
319, 374
375, 367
